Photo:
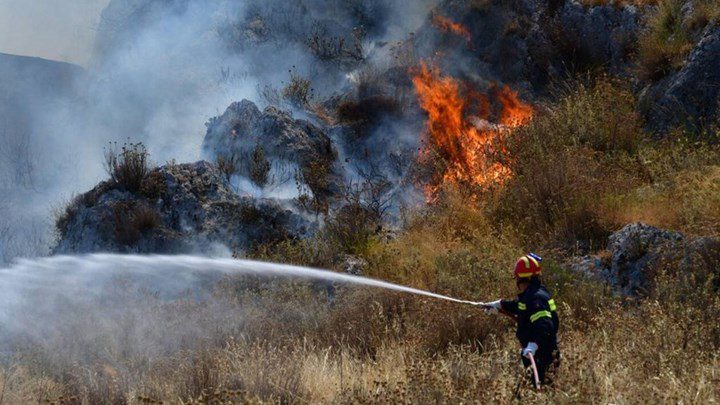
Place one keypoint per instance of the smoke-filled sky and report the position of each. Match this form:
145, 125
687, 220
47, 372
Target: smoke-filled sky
51, 29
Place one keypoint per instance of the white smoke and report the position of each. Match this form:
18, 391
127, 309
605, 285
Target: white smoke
160, 71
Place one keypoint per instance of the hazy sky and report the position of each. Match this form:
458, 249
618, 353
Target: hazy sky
53, 29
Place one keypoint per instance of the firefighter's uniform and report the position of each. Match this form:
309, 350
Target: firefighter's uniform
537, 322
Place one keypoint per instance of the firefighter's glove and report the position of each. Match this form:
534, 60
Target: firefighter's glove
492, 307
530, 349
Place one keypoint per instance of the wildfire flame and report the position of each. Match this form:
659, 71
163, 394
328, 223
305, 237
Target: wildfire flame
447, 25
459, 128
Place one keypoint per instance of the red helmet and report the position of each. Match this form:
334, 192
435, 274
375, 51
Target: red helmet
527, 266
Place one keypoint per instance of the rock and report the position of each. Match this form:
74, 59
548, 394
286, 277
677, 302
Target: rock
690, 96
701, 258
354, 265
602, 34
636, 251
186, 208
589, 266
242, 128
528, 43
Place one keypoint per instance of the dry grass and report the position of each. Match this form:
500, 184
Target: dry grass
566, 160
607, 350
687, 200
671, 35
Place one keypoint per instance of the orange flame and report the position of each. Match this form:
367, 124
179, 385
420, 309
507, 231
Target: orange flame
447, 25
460, 131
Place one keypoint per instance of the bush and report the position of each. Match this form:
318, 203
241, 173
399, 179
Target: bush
313, 182
153, 186
351, 228
704, 12
330, 48
132, 221
255, 165
566, 160
298, 92
65, 217
684, 193
367, 111
358, 218
228, 166
128, 166
259, 167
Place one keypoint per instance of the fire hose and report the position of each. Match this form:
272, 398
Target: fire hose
534, 370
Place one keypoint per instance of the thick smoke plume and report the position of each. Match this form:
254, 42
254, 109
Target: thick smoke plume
159, 72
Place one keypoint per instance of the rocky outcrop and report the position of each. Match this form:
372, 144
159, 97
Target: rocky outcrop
638, 252
689, 97
180, 209
528, 43
242, 127
260, 149
602, 35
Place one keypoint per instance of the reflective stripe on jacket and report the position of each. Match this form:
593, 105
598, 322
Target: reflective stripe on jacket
537, 319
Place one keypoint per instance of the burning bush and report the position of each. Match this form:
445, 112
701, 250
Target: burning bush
127, 166
447, 25
460, 131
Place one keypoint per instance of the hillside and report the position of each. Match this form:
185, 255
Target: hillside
429, 146
29, 87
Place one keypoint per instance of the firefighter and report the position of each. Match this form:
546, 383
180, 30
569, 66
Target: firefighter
536, 316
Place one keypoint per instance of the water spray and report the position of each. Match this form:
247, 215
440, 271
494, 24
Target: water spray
173, 273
